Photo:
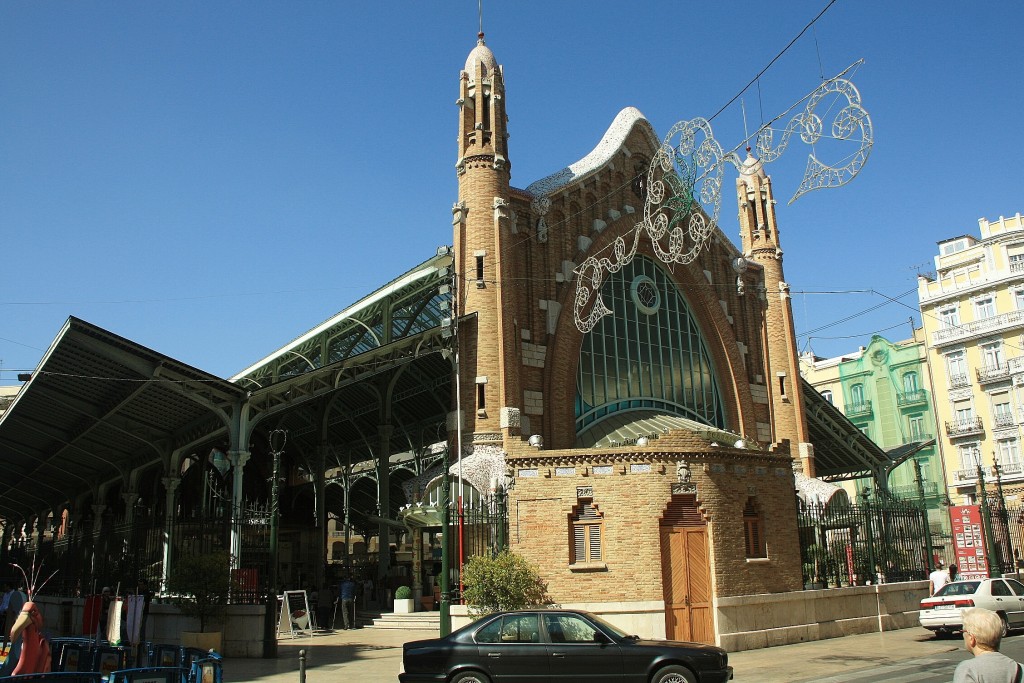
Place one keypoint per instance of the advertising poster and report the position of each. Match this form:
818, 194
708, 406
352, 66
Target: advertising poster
969, 541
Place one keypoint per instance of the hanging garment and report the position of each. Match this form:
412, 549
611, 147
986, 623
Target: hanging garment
134, 605
91, 616
113, 633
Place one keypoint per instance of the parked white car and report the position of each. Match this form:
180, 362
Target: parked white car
942, 612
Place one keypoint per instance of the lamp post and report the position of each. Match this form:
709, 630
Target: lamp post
929, 558
277, 439
1003, 517
866, 493
446, 598
986, 526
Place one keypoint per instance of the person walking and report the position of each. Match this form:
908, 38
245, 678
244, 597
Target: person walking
983, 631
347, 597
939, 577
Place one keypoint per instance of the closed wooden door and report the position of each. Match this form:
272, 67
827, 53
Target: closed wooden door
686, 578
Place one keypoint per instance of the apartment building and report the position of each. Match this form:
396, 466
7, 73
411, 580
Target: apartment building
972, 309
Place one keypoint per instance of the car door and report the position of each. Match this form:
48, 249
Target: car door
1018, 589
577, 654
511, 649
1004, 600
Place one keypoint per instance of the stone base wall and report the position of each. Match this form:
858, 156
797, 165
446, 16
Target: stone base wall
750, 622
243, 630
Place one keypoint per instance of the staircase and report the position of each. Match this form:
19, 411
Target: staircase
417, 621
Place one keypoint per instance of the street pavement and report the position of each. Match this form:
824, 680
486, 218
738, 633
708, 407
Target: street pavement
910, 655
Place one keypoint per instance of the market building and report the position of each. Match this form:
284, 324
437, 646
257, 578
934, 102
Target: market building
645, 427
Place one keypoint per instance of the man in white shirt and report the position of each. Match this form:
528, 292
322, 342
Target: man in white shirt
939, 577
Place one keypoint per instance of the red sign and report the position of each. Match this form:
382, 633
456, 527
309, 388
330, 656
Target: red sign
969, 542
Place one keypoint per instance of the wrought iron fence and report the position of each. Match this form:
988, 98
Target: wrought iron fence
858, 544
483, 530
125, 550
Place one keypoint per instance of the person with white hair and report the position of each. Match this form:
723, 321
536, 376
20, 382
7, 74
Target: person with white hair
983, 631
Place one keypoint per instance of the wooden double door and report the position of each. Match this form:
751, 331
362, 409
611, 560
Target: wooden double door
686, 577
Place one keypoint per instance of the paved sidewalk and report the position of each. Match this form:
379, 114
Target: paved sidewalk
373, 655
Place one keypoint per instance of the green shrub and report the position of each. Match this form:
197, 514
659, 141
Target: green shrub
403, 593
202, 584
501, 583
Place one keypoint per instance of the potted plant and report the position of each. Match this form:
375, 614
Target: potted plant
201, 585
404, 604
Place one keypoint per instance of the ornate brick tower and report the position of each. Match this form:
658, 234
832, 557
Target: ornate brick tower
489, 390
761, 245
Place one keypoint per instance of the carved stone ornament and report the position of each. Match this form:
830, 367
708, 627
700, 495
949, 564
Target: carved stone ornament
683, 472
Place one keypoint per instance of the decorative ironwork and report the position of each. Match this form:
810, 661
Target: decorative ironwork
683, 192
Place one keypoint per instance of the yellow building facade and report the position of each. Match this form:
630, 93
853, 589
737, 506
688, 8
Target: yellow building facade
972, 309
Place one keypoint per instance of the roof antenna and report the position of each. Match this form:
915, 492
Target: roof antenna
746, 133
480, 14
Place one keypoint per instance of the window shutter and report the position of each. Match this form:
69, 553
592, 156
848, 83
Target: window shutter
580, 543
595, 542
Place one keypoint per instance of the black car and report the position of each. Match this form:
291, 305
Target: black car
557, 645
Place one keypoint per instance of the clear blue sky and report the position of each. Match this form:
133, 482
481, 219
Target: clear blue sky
212, 179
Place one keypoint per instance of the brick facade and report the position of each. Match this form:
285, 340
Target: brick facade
518, 331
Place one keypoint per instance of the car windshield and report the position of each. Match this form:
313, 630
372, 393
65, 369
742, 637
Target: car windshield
959, 588
608, 628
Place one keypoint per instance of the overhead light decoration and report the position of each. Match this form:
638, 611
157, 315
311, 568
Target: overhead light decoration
685, 177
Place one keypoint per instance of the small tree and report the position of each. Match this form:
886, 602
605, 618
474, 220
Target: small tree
504, 582
202, 584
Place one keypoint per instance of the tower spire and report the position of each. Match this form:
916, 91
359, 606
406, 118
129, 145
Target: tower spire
480, 13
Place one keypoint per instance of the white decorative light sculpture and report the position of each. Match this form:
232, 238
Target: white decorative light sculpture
684, 186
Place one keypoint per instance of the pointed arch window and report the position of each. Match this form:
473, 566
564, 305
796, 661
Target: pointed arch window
648, 356
753, 530
586, 532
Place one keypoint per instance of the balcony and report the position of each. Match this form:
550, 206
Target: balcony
862, 409
1010, 471
911, 491
1017, 266
968, 476
977, 328
1003, 421
959, 381
968, 427
993, 373
914, 438
906, 399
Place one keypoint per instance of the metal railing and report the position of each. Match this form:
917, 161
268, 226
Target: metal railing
973, 425
978, 327
858, 409
910, 398
992, 373
959, 381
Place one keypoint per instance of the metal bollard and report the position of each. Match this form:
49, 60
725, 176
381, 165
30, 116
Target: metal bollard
302, 666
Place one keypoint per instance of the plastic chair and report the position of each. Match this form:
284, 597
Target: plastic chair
208, 670
76, 656
109, 659
150, 674
165, 655
58, 677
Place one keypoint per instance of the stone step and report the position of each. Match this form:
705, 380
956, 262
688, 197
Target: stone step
414, 621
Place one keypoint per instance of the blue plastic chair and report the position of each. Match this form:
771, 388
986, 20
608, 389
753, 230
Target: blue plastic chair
76, 656
207, 670
150, 674
109, 658
57, 677
165, 655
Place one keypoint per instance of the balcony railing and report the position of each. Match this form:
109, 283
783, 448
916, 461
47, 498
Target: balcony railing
1016, 266
966, 427
1010, 470
959, 381
975, 328
992, 373
861, 409
967, 476
911, 398
1003, 420
913, 438
911, 492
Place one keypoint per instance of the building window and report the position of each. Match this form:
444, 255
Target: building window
585, 531
1016, 262
962, 412
950, 318
916, 423
992, 355
827, 395
753, 530
984, 308
650, 356
857, 395
969, 457
956, 368
1018, 296
1002, 411
909, 382
1009, 453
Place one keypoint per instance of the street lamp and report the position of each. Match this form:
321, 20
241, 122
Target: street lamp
1003, 517
277, 439
986, 526
929, 558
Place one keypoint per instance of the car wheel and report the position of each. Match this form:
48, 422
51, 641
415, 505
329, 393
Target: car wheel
674, 674
470, 677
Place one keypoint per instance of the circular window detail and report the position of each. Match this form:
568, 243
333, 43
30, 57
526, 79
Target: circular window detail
645, 294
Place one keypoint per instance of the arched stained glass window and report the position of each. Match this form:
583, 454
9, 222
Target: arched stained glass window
648, 355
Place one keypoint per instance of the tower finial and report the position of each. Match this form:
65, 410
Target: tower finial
480, 13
